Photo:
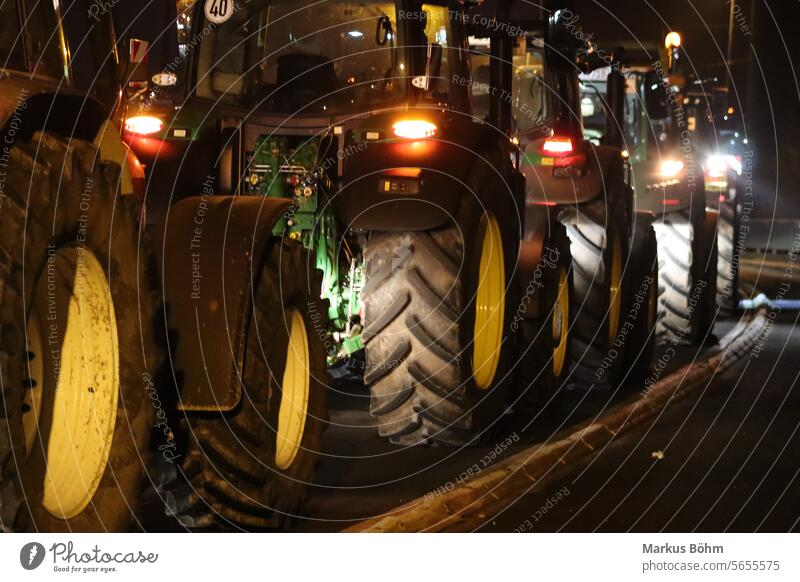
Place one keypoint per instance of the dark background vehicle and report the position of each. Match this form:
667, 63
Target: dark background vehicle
640, 102
585, 185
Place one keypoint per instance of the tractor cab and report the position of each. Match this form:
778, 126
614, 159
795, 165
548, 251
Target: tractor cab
273, 59
265, 75
548, 121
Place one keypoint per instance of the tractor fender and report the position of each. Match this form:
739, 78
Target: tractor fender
210, 251
113, 149
542, 186
672, 196
404, 185
28, 105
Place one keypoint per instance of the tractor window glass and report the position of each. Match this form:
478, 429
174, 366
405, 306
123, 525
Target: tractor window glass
530, 93
633, 113
11, 48
448, 56
439, 34
480, 64
46, 51
593, 112
306, 59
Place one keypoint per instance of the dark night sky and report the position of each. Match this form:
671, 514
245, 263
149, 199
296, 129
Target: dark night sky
703, 24
765, 68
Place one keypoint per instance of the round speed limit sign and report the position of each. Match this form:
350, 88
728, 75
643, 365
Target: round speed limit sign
218, 11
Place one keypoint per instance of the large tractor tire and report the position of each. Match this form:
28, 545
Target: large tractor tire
728, 258
599, 233
681, 276
543, 346
250, 468
708, 299
640, 321
77, 353
437, 315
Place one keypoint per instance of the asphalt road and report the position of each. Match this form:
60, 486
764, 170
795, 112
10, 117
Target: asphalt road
724, 458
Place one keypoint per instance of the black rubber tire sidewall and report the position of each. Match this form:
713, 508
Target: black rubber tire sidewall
110, 232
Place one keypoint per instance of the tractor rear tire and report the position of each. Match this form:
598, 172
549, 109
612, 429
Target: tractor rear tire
599, 234
241, 470
78, 352
681, 277
642, 314
708, 299
420, 301
543, 344
728, 259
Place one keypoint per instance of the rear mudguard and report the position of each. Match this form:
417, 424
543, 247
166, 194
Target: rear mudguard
402, 185
30, 104
542, 186
210, 251
664, 196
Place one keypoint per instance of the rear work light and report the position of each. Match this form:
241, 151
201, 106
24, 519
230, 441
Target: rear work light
670, 168
144, 124
415, 129
558, 146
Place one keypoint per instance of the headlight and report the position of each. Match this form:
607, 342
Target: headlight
716, 166
670, 168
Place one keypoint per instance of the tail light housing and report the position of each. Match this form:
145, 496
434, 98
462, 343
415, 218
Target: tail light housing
565, 154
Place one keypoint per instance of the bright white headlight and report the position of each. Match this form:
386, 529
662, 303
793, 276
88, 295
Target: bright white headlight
670, 168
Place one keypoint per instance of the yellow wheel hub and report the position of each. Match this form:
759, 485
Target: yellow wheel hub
294, 393
489, 305
615, 288
84, 369
561, 323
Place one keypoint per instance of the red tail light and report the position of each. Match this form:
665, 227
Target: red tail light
558, 146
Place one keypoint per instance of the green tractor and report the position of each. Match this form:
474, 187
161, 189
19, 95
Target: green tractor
391, 212
77, 348
584, 184
715, 126
640, 104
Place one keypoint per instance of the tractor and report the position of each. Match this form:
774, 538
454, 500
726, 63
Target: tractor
77, 306
584, 184
394, 214
716, 127
640, 102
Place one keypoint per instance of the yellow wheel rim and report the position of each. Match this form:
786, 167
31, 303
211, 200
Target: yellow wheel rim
85, 371
489, 305
294, 393
561, 323
614, 288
